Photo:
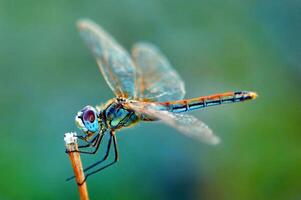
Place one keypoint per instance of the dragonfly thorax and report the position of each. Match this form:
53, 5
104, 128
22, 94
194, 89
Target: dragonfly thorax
116, 116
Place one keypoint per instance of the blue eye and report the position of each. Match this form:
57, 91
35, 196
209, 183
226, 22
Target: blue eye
89, 115
89, 119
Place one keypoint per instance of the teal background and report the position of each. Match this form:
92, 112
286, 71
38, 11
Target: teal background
47, 75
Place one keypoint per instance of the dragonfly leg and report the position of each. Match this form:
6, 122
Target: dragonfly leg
111, 163
104, 158
95, 143
98, 162
88, 143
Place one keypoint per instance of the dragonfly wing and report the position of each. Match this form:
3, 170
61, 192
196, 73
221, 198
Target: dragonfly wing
186, 124
156, 79
113, 61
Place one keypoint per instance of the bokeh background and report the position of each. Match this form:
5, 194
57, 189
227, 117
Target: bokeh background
47, 75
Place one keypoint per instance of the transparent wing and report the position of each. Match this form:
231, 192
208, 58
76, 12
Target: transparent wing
156, 79
113, 61
186, 124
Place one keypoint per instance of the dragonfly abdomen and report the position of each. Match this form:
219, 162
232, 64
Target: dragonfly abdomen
205, 101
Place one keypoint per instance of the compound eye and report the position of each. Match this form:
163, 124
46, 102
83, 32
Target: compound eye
89, 115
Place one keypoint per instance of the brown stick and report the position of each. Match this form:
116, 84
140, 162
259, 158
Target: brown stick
77, 168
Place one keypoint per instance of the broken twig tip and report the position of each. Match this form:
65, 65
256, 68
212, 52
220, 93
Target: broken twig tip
70, 138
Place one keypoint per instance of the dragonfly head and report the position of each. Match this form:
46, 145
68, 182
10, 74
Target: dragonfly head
87, 120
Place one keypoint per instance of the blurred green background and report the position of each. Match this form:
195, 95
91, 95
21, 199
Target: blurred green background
47, 75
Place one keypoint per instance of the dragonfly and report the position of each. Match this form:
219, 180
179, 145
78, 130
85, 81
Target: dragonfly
146, 88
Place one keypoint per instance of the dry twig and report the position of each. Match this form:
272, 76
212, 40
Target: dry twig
71, 145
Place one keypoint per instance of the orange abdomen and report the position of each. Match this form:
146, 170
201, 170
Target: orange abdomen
205, 101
